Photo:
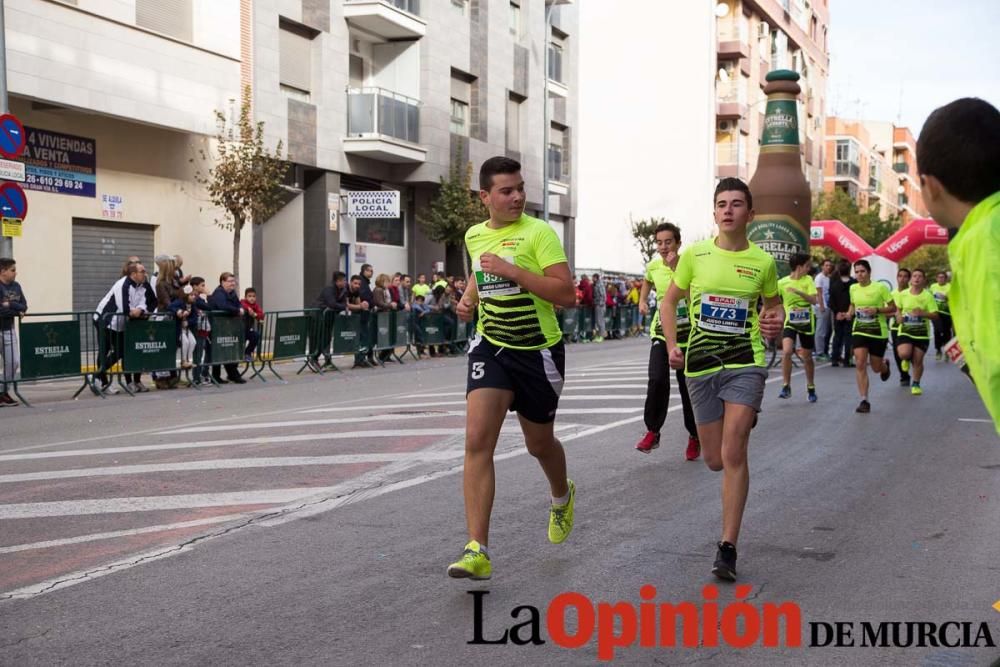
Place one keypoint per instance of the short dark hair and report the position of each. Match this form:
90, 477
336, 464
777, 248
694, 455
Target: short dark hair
730, 184
419, 297
921, 270
844, 267
337, 275
6, 263
438, 291
366, 266
798, 259
960, 146
405, 276
355, 277
943, 273
496, 165
249, 290
668, 227
196, 280
905, 270
224, 276
864, 263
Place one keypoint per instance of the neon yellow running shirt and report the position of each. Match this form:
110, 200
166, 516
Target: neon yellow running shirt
907, 324
940, 293
658, 273
798, 311
724, 288
974, 255
873, 295
509, 315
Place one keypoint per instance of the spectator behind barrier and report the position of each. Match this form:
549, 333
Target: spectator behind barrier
182, 308
13, 304
202, 325
224, 299
253, 315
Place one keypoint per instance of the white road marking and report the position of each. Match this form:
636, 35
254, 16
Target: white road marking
976, 421
417, 414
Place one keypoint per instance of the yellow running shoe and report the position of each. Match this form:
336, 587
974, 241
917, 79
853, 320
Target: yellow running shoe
474, 564
916, 390
561, 517
904, 365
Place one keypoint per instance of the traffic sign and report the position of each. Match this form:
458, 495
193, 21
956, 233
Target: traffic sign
12, 138
12, 170
13, 202
11, 226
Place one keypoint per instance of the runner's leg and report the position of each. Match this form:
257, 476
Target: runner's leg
486, 410
657, 387
861, 371
545, 447
686, 408
918, 363
787, 350
736, 472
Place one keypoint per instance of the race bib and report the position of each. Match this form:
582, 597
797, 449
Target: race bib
489, 285
682, 312
723, 314
940, 297
911, 320
865, 318
799, 316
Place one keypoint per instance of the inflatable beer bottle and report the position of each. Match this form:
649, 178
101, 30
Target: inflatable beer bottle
781, 198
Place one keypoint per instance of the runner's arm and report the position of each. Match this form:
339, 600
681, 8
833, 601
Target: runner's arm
470, 300
555, 285
644, 297
772, 317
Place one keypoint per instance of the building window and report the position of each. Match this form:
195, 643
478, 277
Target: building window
459, 117
384, 231
460, 5
558, 166
295, 58
514, 121
514, 19
847, 162
171, 17
556, 47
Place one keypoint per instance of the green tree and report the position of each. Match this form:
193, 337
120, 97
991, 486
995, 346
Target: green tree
644, 235
931, 258
838, 205
242, 177
454, 209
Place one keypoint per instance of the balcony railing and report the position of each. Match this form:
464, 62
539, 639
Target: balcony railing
411, 6
901, 168
377, 111
851, 169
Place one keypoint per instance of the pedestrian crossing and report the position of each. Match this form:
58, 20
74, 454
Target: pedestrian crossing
102, 503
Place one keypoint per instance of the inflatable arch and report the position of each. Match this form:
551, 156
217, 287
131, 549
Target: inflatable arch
918, 232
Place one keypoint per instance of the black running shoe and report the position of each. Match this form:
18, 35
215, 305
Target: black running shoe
885, 374
725, 562
863, 406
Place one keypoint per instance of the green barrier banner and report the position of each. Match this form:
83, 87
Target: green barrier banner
227, 340
150, 345
402, 326
461, 330
568, 322
384, 338
290, 336
586, 321
433, 327
346, 334
50, 349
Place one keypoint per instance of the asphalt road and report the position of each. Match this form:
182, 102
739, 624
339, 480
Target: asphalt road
311, 523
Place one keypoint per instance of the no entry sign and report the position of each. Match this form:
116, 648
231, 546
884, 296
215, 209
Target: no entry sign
12, 137
13, 202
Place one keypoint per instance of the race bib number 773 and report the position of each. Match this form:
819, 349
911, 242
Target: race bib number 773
723, 314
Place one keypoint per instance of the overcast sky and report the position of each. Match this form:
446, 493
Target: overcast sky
933, 51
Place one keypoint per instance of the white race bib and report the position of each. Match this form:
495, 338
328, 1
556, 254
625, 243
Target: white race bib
799, 315
723, 314
489, 285
865, 317
682, 312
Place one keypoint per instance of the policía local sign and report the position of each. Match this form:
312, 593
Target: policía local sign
373, 204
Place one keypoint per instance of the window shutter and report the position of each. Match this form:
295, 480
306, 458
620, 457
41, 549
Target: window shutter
171, 17
295, 60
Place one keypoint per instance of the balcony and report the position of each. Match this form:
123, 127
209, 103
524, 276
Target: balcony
383, 125
728, 110
387, 19
847, 169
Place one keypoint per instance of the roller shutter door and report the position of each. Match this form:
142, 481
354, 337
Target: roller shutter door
99, 250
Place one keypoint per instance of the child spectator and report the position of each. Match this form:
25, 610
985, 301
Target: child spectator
253, 315
202, 325
182, 308
419, 309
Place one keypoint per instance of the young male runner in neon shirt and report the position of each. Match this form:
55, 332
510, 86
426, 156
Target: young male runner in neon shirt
916, 309
870, 303
798, 295
724, 361
659, 271
516, 360
958, 157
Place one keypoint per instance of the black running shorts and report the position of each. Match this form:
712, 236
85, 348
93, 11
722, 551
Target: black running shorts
535, 376
875, 346
806, 341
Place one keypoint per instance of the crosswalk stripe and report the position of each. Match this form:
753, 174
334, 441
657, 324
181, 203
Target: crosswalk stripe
417, 414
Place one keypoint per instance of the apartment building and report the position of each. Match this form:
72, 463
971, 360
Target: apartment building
875, 163
364, 95
754, 37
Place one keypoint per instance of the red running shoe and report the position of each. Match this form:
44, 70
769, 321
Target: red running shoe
649, 442
694, 449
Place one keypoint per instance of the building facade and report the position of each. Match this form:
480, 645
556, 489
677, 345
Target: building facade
754, 37
875, 163
120, 96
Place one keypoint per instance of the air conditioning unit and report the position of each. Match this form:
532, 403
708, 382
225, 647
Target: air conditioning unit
726, 125
763, 30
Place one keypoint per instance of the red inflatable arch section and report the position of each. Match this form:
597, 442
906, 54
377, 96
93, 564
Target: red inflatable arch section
918, 232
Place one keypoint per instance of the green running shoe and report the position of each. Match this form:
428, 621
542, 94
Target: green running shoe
474, 564
904, 365
561, 517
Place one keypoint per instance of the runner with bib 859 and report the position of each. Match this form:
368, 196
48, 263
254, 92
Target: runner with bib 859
724, 361
516, 360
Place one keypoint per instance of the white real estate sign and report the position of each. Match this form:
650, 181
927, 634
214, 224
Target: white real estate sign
373, 204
